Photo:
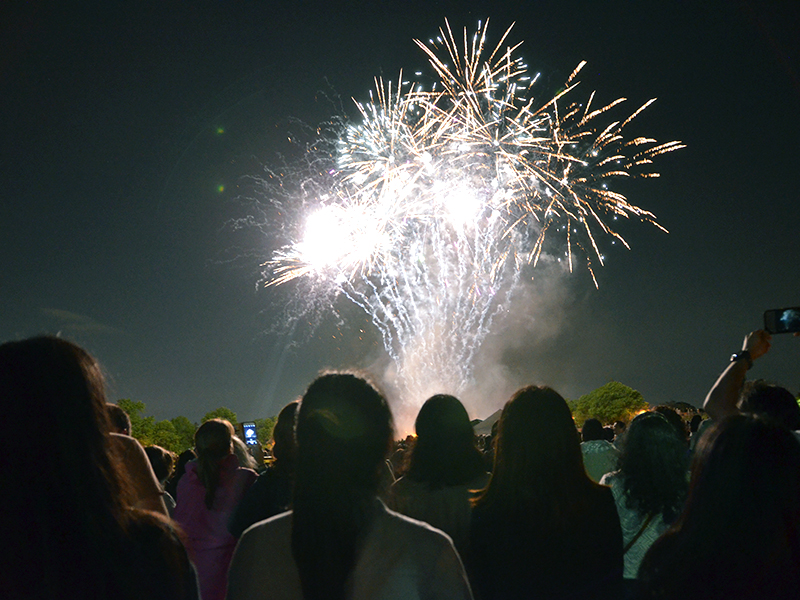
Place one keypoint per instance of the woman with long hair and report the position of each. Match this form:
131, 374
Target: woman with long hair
67, 530
739, 533
445, 467
650, 484
542, 528
207, 497
340, 541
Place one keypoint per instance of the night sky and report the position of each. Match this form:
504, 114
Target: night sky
130, 130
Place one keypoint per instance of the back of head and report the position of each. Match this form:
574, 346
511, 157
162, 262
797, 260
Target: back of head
59, 477
242, 453
180, 470
162, 461
778, 403
653, 466
213, 442
344, 432
749, 466
118, 419
213, 439
592, 430
445, 451
694, 424
741, 523
538, 460
671, 415
57, 387
283, 435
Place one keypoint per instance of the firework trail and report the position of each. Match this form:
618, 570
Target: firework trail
426, 212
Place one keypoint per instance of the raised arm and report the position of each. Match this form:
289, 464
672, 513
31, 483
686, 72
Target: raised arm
722, 399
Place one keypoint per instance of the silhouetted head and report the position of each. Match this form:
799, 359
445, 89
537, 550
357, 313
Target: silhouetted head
445, 451
538, 465
57, 387
592, 430
212, 443
748, 466
183, 458
694, 424
344, 432
180, 470
647, 430
242, 453
119, 420
653, 466
443, 414
740, 528
283, 435
763, 398
64, 498
213, 439
537, 431
162, 461
671, 415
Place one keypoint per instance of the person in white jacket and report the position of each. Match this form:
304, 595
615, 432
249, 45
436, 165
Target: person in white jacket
340, 541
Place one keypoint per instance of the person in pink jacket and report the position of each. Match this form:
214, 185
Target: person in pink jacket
207, 496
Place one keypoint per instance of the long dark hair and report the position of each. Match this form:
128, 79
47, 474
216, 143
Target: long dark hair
445, 452
64, 499
344, 432
654, 467
538, 467
212, 442
739, 533
284, 448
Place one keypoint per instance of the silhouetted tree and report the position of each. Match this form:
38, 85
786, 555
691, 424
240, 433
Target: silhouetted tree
176, 434
612, 402
264, 428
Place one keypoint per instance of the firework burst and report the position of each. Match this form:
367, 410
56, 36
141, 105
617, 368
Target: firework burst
438, 197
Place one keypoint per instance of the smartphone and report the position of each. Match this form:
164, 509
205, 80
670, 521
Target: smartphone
250, 434
782, 320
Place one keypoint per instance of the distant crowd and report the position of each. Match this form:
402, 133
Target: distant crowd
654, 508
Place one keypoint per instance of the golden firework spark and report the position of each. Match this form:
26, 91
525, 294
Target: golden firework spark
440, 195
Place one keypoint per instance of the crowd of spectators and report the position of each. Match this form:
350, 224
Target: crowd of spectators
656, 508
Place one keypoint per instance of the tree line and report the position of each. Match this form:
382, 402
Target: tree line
177, 434
611, 402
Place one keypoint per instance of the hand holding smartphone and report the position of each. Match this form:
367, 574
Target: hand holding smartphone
782, 320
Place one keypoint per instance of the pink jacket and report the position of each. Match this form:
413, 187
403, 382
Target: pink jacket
209, 544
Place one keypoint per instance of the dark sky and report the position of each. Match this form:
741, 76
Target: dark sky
129, 130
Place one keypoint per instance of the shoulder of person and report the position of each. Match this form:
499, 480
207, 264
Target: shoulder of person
147, 526
402, 527
126, 444
611, 478
154, 562
248, 473
158, 538
275, 526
